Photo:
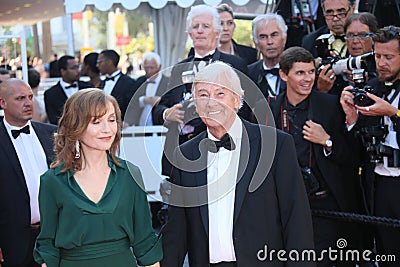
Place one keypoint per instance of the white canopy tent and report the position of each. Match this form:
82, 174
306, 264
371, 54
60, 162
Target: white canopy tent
169, 19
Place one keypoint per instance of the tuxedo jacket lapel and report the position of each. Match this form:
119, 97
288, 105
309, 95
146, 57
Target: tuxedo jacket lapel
247, 165
8, 148
46, 141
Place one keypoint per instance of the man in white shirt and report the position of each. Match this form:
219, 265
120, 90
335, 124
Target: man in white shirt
230, 186
382, 178
25, 153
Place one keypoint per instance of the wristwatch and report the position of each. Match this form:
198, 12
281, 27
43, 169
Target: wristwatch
395, 117
328, 143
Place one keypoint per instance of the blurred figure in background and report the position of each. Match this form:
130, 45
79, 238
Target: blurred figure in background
90, 69
39, 111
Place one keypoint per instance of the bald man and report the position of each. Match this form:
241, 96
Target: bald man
25, 153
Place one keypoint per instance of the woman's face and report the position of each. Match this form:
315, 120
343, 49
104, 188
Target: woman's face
100, 133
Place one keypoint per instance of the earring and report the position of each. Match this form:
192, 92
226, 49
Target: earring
77, 150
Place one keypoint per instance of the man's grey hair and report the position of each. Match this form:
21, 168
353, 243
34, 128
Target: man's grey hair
152, 55
220, 73
204, 10
266, 19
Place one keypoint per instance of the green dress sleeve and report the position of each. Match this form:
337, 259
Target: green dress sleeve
45, 250
147, 247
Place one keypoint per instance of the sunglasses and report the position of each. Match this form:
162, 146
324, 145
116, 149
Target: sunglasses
361, 36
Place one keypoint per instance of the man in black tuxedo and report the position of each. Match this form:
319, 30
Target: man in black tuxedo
117, 84
55, 96
26, 151
269, 35
150, 88
325, 153
382, 177
204, 28
335, 13
230, 186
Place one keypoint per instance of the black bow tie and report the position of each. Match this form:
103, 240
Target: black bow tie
73, 85
387, 88
112, 77
206, 58
150, 81
273, 71
16, 133
339, 37
226, 142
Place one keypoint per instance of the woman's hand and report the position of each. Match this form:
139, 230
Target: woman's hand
157, 264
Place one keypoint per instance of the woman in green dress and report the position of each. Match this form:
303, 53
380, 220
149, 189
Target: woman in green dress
93, 207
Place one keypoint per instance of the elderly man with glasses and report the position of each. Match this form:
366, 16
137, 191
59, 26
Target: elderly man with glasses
383, 175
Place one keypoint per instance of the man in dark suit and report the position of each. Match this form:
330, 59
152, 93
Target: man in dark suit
335, 13
324, 153
229, 201
55, 96
269, 35
150, 88
117, 84
381, 176
26, 151
204, 28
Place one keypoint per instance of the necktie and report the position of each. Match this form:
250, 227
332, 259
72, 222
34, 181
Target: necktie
16, 133
112, 77
225, 142
273, 71
73, 85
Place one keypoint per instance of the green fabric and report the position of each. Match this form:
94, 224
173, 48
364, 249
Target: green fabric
69, 220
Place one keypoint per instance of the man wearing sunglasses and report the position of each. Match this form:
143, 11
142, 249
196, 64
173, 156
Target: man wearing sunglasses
383, 177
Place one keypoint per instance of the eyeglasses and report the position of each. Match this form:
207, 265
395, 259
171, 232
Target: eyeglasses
387, 34
360, 36
100, 60
341, 14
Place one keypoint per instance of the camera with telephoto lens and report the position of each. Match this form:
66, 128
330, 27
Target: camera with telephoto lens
372, 138
360, 90
338, 64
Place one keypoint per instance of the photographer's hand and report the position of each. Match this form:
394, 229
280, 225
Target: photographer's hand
326, 78
315, 133
175, 113
380, 108
346, 100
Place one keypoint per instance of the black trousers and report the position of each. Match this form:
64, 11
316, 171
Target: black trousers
28, 261
387, 204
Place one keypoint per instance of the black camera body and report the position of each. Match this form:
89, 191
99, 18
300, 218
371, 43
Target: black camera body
360, 90
372, 138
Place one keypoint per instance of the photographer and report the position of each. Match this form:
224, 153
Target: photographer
324, 152
384, 112
359, 28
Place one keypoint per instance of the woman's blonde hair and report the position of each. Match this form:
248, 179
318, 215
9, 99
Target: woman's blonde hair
79, 110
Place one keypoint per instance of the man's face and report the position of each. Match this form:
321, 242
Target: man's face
202, 33
336, 12
387, 57
151, 68
104, 64
216, 105
270, 40
71, 73
300, 79
17, 103
358, 41
228, 27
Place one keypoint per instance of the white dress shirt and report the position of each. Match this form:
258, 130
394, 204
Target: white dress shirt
69, 91
222, 169
151, 89
109, 85
33, 163
390, 140
273, 80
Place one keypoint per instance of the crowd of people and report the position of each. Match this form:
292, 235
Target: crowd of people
262, 144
